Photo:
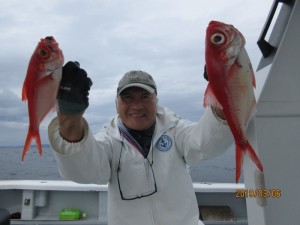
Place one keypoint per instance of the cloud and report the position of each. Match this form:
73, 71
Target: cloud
11, 108
108, 38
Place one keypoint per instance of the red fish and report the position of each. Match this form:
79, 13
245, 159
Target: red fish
230, 88
41, 86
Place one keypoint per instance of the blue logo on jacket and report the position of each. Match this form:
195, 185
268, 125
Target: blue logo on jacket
164, 143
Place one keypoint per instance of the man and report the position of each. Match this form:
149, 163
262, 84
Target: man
142, 154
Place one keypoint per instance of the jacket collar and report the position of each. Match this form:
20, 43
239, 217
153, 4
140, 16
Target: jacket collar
165, 119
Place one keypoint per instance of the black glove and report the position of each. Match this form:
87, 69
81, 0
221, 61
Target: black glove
74, 89
205, 73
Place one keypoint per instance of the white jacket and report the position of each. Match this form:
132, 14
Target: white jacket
176, 143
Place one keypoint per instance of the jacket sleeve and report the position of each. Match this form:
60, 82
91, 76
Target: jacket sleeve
87, 161
208, 138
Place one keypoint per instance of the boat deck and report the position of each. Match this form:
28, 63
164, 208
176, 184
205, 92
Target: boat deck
40, 201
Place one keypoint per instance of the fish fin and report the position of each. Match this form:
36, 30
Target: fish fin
26, 146
210, 99
239, 158
250, 151
30, 136
24, 93
240, 152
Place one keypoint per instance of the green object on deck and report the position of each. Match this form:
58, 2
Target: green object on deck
71, 214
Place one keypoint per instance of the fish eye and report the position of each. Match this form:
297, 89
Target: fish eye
217, 39
43, 53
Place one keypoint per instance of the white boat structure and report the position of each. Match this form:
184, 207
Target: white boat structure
40, 202
269, 198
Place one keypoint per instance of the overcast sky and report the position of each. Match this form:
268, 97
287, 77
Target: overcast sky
109, 38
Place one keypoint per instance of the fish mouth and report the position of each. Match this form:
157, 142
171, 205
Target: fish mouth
214, 23
51, 43
217, 26
50, 38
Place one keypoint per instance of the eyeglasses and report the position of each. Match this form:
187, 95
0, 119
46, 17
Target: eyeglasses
147, 180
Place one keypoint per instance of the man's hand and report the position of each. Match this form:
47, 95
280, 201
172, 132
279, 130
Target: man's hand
73, 101
74, 89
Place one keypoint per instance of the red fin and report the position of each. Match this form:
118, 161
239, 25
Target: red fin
239, 157
24, 92
30, 136
250, 151
210, 99
240, 152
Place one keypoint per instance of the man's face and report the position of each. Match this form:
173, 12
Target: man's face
137, 108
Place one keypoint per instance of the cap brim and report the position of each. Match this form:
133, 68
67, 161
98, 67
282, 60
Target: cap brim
143, 86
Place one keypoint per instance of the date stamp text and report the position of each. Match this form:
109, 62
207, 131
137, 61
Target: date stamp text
257, 193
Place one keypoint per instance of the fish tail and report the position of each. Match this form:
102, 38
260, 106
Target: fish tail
30, 136
239, 157
38, 143
240, 152
253, 156
27, 145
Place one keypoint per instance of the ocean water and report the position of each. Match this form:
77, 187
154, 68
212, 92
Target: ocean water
220, 169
